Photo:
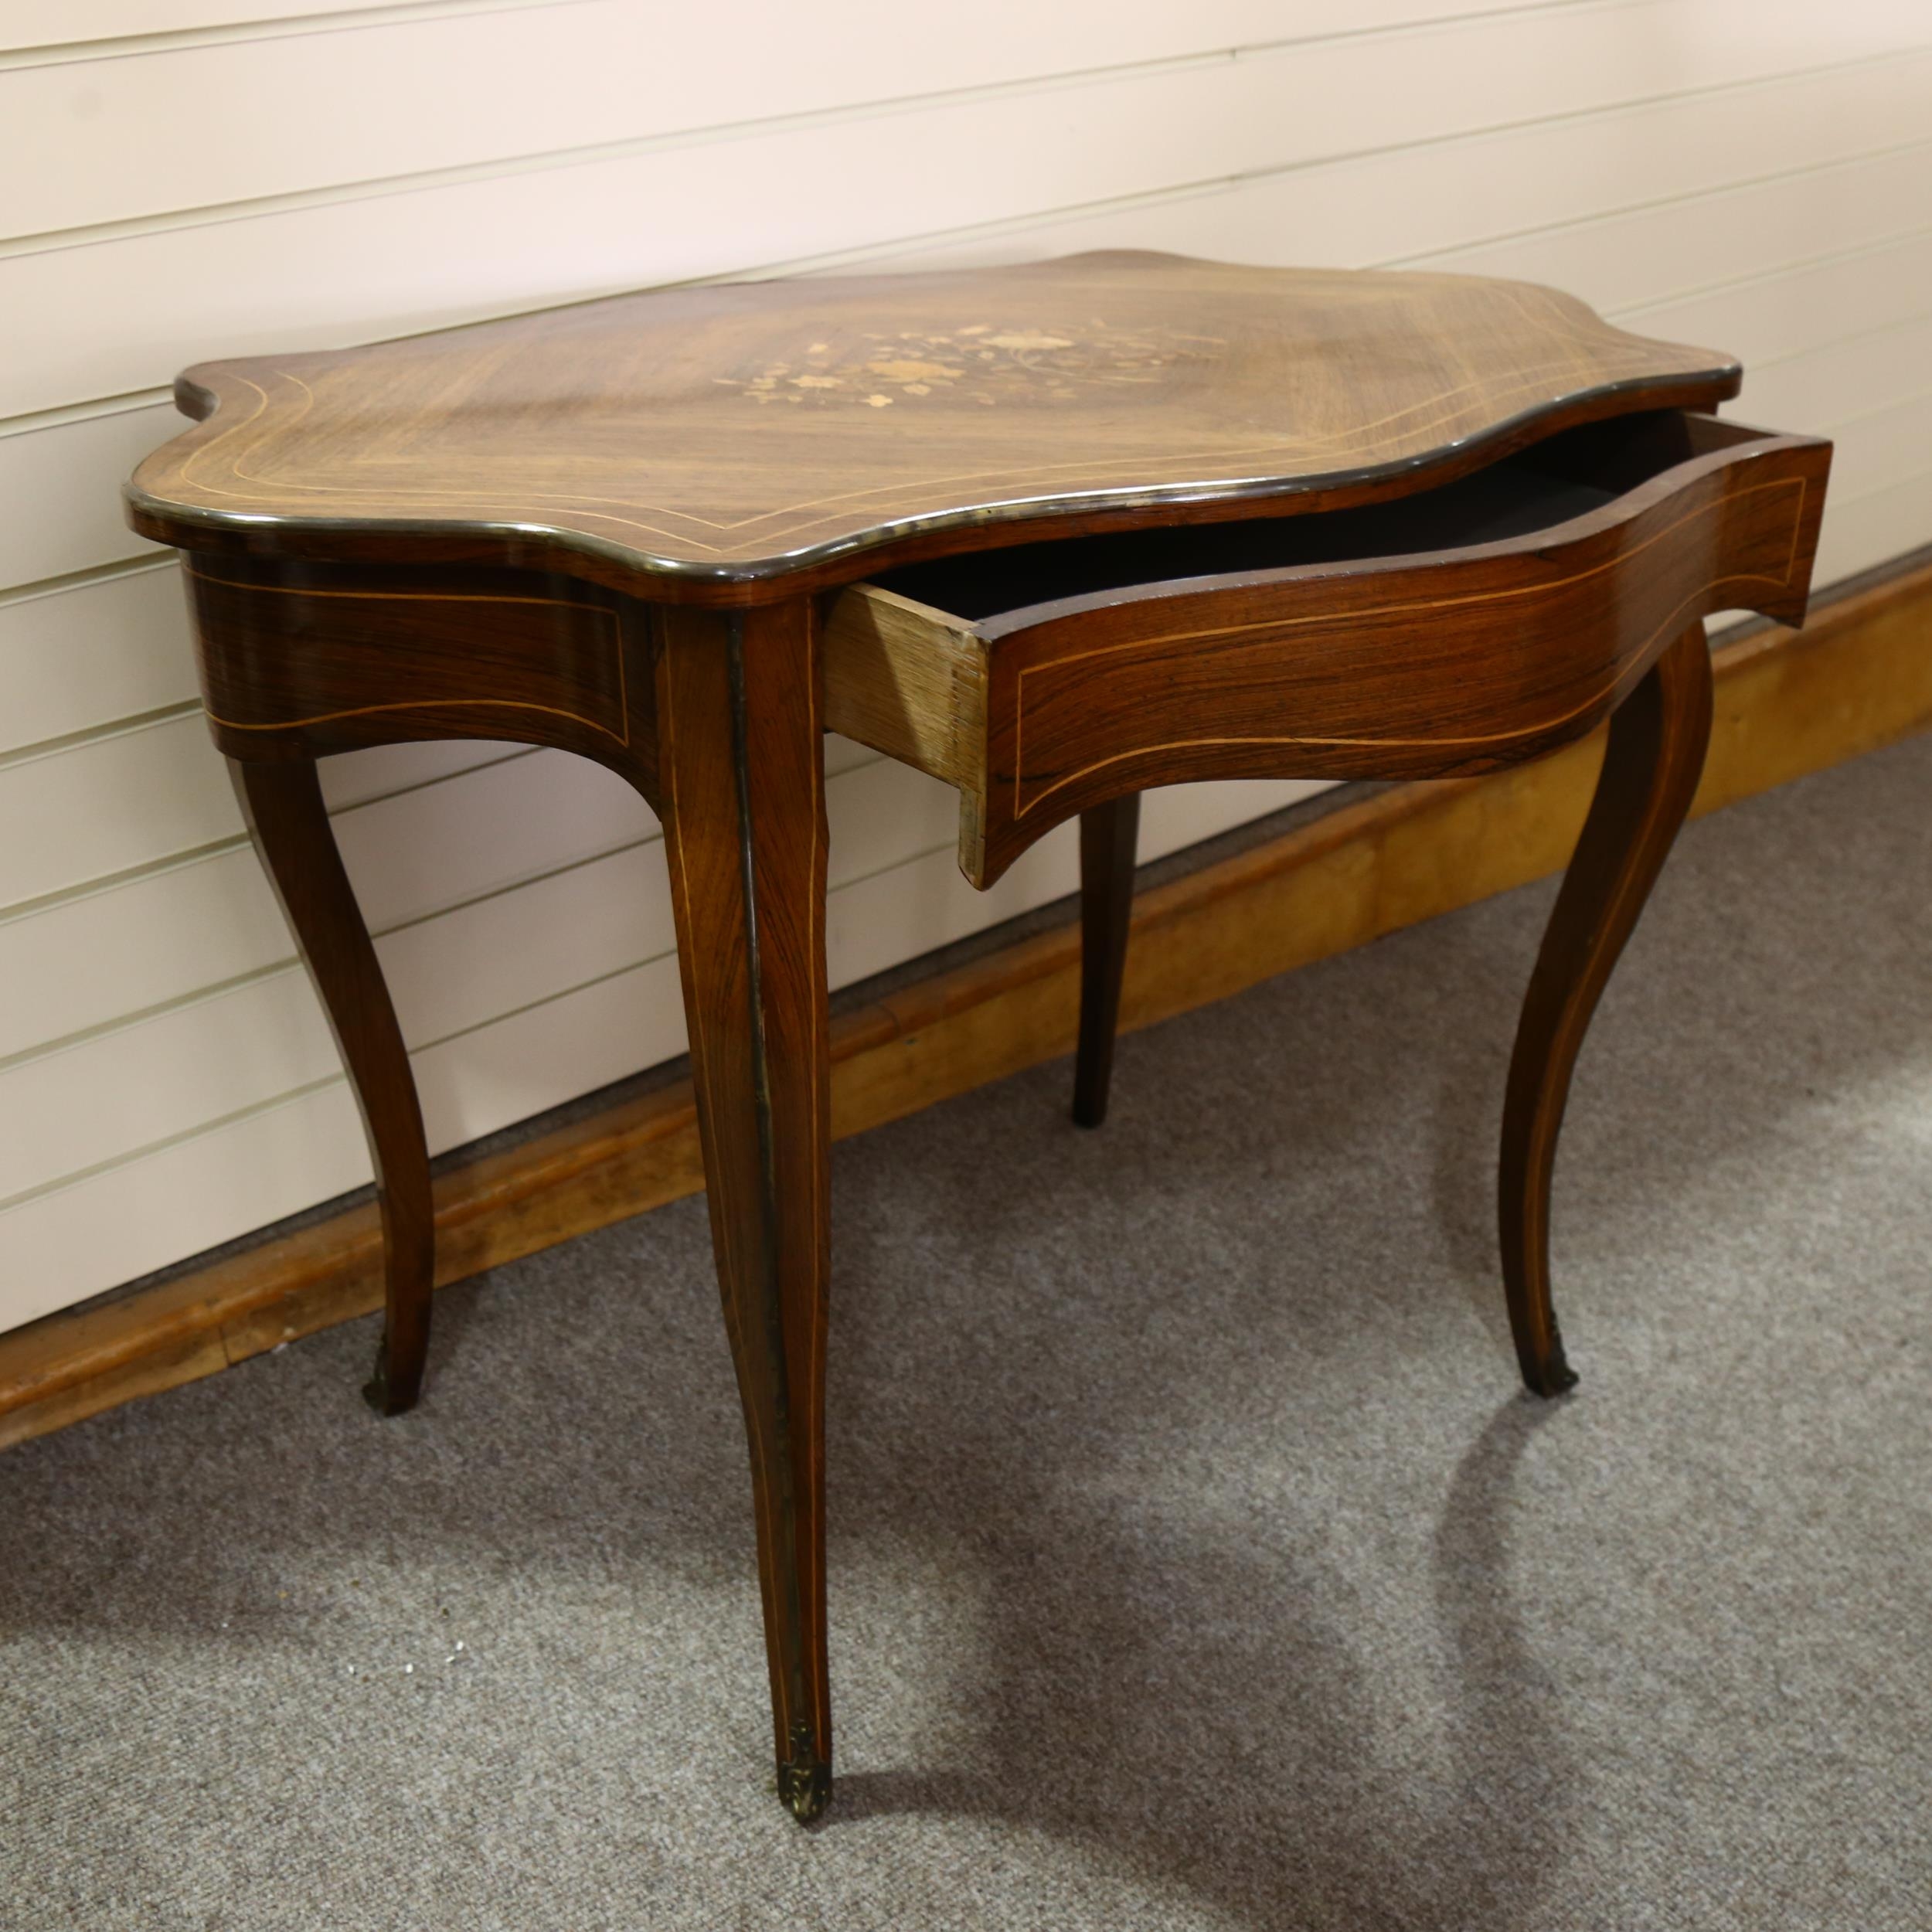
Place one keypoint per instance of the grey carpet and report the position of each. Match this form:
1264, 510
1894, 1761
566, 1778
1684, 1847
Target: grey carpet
1194, 1561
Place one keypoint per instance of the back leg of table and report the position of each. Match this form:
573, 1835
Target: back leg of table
1109, 837
283, 803
1651, 765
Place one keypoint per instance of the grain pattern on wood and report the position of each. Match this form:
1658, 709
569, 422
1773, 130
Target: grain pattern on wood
1109, 838
282, 805
1652, 763
741, 753
1859, 677
711, 437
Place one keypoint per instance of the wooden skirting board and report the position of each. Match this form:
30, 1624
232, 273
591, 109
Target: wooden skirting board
1858, 677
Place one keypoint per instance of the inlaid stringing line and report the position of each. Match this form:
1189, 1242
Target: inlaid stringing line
426, 704
384, 596
436, 596
1021, 809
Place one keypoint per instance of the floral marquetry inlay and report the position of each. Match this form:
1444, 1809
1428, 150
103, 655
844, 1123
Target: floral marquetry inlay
984, 363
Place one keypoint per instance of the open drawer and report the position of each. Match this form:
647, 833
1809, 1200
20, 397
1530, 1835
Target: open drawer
1450, 630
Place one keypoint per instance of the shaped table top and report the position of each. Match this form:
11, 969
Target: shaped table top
710, 438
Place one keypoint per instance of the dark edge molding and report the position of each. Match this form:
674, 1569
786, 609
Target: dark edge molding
837, 561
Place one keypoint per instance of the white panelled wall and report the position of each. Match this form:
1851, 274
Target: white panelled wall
184, 179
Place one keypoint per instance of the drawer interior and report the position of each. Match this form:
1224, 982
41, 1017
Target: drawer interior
1550, 482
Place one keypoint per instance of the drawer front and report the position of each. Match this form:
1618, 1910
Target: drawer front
1425, 666
304, 666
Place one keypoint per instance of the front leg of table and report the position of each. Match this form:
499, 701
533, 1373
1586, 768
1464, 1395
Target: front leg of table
282, 802
740, 764
1651, 765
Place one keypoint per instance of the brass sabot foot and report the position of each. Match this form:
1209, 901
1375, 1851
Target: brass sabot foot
804, 1780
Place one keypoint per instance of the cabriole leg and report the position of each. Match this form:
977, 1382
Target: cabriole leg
1110, 836
1651, 765
741, 773
283, 803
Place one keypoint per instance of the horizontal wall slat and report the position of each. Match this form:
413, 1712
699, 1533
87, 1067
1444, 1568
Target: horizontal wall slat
104, 807
1876, 529
186, 1067
61, 484
146, 796
470, 967
1881, 450
61, 23
88, 961
92, 653
412, 855
109, 1228
891, 916
360, 777
552, 79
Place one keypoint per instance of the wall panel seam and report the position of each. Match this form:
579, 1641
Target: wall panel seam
125, 875
1912, 479
33, 422
1797, 265
1912, 399
79, 579
508, 756
164, 40
140, 1015
1919, 319
516, 886
41, 1190
128, 727
544, 999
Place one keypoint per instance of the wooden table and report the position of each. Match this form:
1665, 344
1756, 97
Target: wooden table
1054, 534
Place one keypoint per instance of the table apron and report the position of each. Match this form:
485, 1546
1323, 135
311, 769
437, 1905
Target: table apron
301, 665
